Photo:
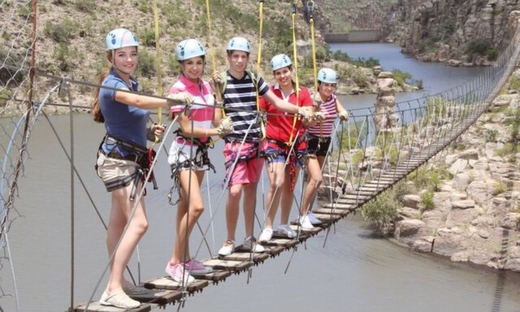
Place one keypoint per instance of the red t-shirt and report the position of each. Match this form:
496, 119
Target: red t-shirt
280, 125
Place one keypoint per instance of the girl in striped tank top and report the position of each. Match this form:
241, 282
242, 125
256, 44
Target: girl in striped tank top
319, 139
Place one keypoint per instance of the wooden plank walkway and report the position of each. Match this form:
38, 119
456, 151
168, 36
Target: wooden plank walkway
162, 290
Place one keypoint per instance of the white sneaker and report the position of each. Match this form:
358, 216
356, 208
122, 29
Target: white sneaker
179, 274
286, 230
305, 223
313, 219
118, 300
266, 235
227, 249
250, 244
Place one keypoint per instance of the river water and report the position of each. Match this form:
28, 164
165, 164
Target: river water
351, 269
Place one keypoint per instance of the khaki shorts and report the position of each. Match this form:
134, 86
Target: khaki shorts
116, 173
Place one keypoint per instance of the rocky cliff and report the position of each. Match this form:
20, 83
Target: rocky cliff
468, 32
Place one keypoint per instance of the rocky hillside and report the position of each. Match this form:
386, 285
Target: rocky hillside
468, 32
346, 15
71, 35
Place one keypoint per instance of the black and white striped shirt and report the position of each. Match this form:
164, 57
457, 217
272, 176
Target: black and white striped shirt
240, 105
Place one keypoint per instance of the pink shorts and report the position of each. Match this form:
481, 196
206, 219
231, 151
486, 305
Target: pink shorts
248, 168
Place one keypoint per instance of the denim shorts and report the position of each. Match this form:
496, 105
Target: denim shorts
281, 156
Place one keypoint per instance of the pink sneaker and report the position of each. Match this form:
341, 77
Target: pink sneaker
178, 274
196, 266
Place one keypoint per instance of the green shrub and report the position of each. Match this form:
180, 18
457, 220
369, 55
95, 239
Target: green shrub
61, 32
481, 47
147, 37
361, 61
508, 149
86, 6
427, 200
25, 11
383, 210
62, 56
401, 77
5, 96
146, 63
514, 82
491, 135
10, 73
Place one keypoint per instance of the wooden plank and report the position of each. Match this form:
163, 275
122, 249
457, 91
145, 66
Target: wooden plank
326, 219
274, 250
353, 196
97, 307
282, 242
340, 206
214, 276
246, 256
229, 265
159, 296
168, 283
349, 201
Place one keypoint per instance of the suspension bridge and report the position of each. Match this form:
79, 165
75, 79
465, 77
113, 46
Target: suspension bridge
371, 157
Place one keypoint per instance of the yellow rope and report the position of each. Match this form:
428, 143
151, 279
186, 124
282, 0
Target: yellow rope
310, 7
214, 64
296, 81
214, 68
157, 63
311, 21
258, 62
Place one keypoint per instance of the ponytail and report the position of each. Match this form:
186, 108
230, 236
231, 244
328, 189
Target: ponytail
96, 110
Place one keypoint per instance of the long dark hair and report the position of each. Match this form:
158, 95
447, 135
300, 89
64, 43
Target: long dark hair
96, 110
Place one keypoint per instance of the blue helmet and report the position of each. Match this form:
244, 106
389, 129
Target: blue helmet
239, 44
189, 48
280, 61
327, 75
120, 38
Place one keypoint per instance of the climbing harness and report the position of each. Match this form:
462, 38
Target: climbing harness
199, 162
141, 156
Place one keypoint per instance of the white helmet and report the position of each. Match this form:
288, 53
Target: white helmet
327, 75
120, 38
239, 44
189, 48
280, 61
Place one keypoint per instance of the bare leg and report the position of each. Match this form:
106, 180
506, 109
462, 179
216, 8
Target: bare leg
249, 207
186, 219
233, 202
119, 216
315, 179
287, 195
275, 171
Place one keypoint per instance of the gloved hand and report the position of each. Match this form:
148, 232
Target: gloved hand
343, 115
317, 99
217, 80
155, 132
225, 127
181, 98
318, 116
304, 113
